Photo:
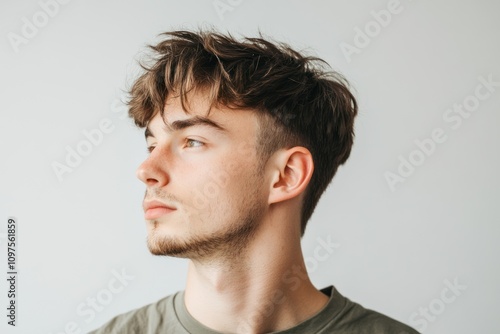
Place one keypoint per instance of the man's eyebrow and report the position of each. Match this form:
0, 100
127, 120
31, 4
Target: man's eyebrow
193, 121
148, 133
186, 123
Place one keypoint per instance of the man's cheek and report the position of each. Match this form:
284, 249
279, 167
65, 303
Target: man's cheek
246, 149
197, 215
249, 160
196, 220
238, 168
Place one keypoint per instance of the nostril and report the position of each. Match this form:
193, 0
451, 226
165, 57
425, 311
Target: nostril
151, 182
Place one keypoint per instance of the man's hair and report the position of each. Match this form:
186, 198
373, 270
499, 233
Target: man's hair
301, 100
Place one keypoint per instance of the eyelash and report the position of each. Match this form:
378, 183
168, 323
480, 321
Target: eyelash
187, 141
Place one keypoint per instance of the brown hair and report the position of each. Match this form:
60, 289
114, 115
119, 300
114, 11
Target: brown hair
303, 101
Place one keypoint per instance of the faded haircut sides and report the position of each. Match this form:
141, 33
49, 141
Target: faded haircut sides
301, 100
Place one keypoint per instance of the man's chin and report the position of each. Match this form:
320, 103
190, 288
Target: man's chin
165, 246
168, 252
170, 241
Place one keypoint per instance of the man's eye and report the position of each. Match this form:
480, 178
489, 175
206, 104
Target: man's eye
193, 143
150, 149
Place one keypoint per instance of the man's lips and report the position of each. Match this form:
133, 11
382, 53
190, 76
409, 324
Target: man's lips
156, 209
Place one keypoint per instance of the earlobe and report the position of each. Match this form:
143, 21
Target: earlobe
293, 169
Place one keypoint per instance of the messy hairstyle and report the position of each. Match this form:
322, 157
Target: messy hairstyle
301, 100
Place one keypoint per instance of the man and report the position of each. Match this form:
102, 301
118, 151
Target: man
244, 136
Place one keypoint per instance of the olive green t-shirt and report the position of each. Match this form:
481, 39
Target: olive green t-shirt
340, 315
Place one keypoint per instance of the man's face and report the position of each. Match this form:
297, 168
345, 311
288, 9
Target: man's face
205, 185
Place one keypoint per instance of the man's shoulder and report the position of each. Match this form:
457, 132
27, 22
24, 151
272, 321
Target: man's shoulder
373, 322
146, 319
351, 317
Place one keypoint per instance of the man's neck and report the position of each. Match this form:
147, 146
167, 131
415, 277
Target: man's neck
265, 289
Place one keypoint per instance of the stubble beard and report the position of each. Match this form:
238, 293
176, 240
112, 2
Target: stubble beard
221, 244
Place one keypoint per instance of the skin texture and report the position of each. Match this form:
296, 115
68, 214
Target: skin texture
235, 217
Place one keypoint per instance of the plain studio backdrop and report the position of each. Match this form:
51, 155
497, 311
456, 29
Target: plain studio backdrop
412, 219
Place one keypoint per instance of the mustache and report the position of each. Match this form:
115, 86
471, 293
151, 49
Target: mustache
156, 193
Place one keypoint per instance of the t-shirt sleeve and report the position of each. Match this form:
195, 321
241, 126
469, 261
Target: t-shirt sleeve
147, 319
364, 321
131, 322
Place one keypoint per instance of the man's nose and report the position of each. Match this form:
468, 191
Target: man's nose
153, 170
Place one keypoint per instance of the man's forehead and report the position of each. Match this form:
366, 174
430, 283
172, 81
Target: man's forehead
199, 110
175, 119
198, 100
175, 110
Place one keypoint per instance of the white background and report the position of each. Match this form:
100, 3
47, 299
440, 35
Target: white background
396, 248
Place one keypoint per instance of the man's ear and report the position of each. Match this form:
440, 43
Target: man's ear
292, 170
